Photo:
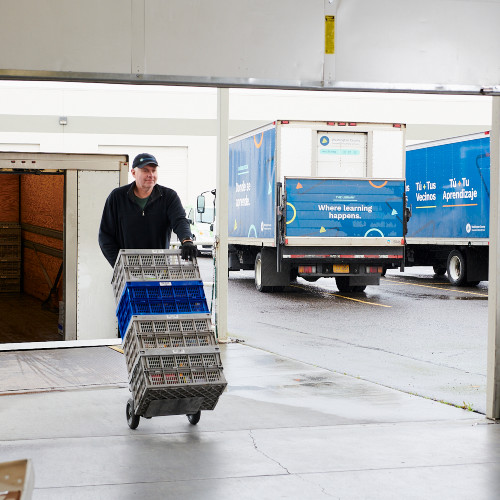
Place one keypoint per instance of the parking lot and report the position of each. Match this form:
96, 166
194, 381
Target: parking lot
415, 332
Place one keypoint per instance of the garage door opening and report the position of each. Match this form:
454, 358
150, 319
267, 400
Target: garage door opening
31, 257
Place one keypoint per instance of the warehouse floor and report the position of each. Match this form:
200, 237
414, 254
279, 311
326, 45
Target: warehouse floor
282, 429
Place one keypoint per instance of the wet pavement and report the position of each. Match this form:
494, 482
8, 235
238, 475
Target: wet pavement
415, 332
283, 429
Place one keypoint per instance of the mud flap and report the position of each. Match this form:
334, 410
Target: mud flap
270, 276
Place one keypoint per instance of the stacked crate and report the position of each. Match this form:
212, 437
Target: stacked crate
172, 356
10, 257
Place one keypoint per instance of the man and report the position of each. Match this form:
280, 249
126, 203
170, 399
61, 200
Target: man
143, 214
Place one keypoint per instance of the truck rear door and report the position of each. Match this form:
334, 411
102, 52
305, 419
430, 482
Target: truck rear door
344, 212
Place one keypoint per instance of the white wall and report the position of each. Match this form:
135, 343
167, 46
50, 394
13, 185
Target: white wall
126, 119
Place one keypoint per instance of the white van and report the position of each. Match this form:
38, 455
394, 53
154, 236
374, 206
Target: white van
202, 224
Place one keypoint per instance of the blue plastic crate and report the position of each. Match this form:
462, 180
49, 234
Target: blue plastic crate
164, 289
160, 298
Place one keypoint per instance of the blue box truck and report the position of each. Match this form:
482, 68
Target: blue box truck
448, 190
317, 199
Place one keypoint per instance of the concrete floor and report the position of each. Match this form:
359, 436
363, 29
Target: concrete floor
283, 429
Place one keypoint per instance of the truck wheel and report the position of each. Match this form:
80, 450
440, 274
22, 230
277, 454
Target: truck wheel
342, 283
439, 270
456, 268
311, 279
258, 275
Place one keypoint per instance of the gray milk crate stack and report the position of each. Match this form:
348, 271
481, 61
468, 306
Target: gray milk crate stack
172, 355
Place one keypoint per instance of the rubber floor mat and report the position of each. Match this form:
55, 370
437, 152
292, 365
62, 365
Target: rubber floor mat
52, 369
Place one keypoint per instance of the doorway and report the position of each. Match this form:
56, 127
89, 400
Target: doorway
31, 256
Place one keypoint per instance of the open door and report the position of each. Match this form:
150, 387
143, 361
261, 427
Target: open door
31, 256
54, 281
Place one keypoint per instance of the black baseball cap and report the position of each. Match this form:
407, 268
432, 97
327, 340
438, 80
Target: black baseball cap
143, 159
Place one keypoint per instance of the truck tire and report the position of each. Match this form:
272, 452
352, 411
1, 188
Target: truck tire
456, 268
259, 271
439, 270
311, 279
342, 283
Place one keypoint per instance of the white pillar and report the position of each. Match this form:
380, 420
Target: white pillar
493, 375
221, 212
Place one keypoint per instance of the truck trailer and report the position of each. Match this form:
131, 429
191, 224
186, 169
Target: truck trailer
54, 280
448, 190
317, 199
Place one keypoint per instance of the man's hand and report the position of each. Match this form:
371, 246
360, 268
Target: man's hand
188, 250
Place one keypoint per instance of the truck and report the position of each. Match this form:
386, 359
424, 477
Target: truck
316, 199
448, 190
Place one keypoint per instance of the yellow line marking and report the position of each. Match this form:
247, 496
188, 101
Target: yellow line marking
343, 297
401, 282
116, 348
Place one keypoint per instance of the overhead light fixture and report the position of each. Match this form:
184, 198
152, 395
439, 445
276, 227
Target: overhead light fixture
63, 120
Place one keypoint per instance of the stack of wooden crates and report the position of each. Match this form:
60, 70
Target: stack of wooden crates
10, 257
172, 355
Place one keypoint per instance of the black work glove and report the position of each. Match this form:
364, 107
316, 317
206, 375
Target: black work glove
188, 250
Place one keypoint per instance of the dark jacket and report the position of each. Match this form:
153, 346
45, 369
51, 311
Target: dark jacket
125, 226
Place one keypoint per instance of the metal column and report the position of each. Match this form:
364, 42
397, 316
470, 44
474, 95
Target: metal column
493, 375
221, 212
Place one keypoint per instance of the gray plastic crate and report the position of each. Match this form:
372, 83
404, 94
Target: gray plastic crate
166, 391
151, 265
146, 333
173, 359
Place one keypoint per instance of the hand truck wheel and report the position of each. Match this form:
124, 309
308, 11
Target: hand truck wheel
132, 419
194, 418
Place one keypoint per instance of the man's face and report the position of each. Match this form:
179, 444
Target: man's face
145, 177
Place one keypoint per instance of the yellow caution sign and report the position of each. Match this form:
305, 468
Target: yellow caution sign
329, 34
235, 225
322, 230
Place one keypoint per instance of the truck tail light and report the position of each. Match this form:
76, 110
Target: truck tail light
396, 125
307, 269
374, 269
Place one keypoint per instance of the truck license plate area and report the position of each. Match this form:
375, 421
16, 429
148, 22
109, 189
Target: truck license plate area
340, 268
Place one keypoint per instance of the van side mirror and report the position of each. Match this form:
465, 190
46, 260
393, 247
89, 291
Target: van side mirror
200, 204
